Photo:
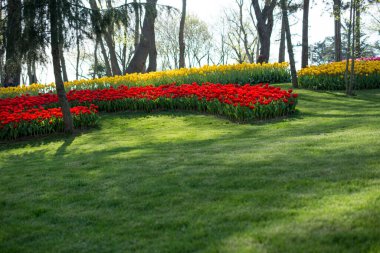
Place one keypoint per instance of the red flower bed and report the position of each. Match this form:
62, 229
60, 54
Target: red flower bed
236, 102
38, 120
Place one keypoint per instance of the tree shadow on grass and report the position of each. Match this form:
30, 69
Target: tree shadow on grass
197, 195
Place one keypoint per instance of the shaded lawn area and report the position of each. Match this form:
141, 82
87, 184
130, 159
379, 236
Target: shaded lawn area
183, 182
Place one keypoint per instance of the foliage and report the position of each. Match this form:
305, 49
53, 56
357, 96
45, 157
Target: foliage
331, 76
233, 73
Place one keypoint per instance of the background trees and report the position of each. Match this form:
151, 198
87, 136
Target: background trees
104, 37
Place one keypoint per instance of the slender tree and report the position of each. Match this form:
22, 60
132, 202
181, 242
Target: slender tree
54, 43
293, 70
305, 34
265, 23
281, 55
181, 36
337, 8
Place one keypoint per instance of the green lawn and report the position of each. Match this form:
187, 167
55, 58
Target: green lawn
183, 182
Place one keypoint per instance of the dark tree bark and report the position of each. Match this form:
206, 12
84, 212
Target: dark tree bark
305, 34
95, 59
181, 36
138, 61
12, 66
293, 70
54, 43
338, 29
264, 19
281, 55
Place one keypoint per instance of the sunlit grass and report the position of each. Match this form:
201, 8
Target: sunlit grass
185, 182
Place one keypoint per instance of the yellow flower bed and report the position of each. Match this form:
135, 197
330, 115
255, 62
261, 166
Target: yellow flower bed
233, 73
331, 76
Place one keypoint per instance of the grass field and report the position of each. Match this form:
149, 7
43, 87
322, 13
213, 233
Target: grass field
184, 182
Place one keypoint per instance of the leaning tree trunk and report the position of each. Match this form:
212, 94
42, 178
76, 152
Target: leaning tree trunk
12, 66
281, 55
265, 23
138, 61
54, 43
181, 36
289, 44
337, 28
305, 34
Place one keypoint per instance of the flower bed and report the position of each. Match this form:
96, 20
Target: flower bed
25, 120
28, 114
233, 73
331, 76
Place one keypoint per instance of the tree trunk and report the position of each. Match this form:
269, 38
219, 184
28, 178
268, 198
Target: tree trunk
77, 40
138, 61
264, 19
107, 37
105, 57
12, 66
1, 47
289, 44
358, 34
137, 23
61, 44
338, 27
350, 87
181, 36
63, 62
31, 69
152, 54
95, 59
305, 34
348, 54
281, 55
54, 43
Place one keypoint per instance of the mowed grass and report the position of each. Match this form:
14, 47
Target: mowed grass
185, 182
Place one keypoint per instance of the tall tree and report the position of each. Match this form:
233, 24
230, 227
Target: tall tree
281, 54
12, 66
181, 36
144, 47
305, 34
54, 13
284, 7
265, 23
337, 9
358, 33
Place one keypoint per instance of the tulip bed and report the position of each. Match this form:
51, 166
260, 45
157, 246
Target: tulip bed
331, 76
31, 115
26, 120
